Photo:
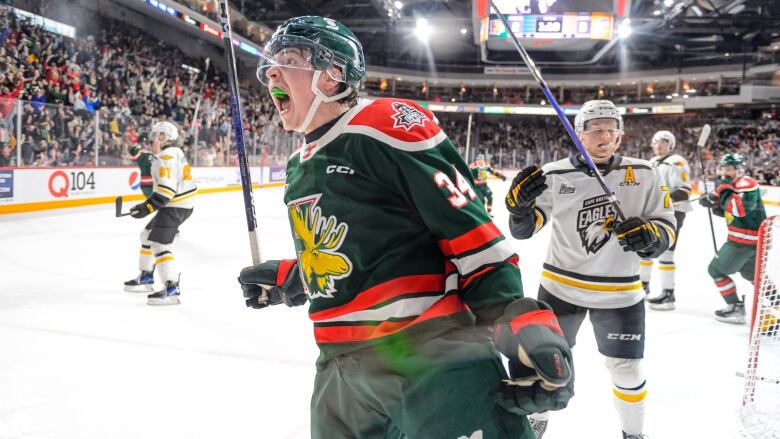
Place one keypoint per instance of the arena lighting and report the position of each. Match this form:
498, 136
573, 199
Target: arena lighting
463, 31
398, 4
668, 3
624, 30
423, 30
656, 12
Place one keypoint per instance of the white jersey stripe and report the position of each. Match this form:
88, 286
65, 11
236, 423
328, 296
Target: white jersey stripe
498, 252
410, 307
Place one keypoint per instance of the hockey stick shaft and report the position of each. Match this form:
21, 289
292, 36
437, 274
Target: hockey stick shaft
194, 125
238, 129
705, 134
559, 111
118, 207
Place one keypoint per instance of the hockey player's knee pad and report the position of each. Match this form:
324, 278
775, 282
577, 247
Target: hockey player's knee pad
626, 373
713, 271
158, 248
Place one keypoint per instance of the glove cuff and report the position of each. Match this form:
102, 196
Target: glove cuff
283, 272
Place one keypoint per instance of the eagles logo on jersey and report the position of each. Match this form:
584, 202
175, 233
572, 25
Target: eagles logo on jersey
595, 223
317, 242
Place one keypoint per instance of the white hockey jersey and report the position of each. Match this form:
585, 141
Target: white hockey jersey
677, 174
173, 178
585, 264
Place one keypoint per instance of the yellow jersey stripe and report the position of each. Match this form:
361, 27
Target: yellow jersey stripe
163, 259
603, 288
630, 398
666, 267
165, 191
184, 197
145, 251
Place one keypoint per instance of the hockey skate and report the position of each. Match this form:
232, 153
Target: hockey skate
662, 302
144, 283
732, 313
167, 296
539, 426
633, 436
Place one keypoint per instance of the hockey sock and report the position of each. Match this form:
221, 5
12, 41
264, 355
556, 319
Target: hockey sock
667, 269
146, 258
645, 269
166, 266
727, 288
629, 391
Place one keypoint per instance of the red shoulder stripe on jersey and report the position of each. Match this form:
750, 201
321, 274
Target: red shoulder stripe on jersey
475, 238
724, 187
446, 306
422, 283
400, 119
514, 260
540, 317
745, 183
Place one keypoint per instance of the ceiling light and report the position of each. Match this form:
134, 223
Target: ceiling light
398, 4
668, 3
656, 12
668, 97
624, 30
675, 94
463, 31
423, 30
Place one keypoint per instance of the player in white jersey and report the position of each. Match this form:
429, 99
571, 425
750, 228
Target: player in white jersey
592, 264
676, 173
172, 198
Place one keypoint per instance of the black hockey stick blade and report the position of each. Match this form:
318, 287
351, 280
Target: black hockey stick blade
118, 204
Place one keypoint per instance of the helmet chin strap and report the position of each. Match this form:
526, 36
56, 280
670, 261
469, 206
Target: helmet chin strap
319, 97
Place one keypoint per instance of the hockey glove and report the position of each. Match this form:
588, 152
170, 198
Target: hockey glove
272, 283
528, 331
526, 186
142, 210
523, 395
637, 234
709, 201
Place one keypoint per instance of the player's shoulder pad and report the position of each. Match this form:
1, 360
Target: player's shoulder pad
637, 164
560, 165
400, 123
677, 160
170, 153
745, 184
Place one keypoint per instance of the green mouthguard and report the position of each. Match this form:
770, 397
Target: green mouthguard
278, 93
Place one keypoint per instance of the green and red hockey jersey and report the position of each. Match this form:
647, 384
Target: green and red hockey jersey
390, 237
143, 159
480, 170
742, 207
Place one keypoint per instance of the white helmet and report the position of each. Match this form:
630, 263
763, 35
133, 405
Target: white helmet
664, 135
599, 109
167, 128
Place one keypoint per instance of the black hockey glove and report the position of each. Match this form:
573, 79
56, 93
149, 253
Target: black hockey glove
637, 234
142, 210
272, 283
709, 201
526, 186
539, 357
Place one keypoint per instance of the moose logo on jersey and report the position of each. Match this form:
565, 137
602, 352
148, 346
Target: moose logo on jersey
317, 241
595, 222
407, 117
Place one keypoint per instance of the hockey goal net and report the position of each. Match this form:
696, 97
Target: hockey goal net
760, 414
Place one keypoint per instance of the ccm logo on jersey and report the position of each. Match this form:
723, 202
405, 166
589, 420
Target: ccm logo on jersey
339, 169
624, 337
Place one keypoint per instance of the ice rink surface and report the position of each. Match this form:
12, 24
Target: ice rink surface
80, 358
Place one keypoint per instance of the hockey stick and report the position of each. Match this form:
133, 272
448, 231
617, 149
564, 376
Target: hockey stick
690, 200
566, 124
118, 207
200, 98
705, 134
238, 129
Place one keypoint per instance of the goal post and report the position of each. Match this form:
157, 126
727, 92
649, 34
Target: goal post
760, 413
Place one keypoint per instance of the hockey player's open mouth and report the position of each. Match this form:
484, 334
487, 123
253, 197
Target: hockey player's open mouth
282, 99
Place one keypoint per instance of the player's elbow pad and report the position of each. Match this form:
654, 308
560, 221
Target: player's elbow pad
679, 195
158, 200
523, 224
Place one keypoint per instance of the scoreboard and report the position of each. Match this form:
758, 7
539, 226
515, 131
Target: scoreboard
585, 25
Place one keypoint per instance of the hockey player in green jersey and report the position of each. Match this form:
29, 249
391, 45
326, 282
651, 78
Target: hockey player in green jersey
738, 199
479, 171
406, 277
143, 159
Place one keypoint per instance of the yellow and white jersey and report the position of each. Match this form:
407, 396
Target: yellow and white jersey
173, 178
585, 264
677, 174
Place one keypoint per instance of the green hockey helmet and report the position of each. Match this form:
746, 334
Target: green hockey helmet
733, 159
323, 43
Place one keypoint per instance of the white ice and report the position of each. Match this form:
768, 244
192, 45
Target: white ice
79, 358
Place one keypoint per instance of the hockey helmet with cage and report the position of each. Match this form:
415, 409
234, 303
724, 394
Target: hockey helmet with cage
597, 109
732, 159
168, 129
665, 135
330, 47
